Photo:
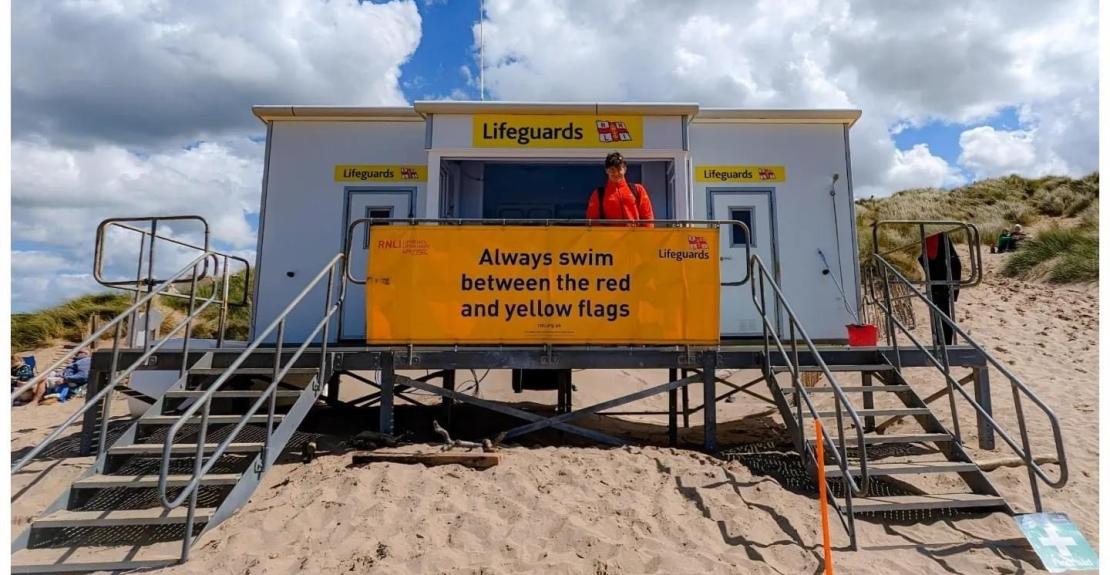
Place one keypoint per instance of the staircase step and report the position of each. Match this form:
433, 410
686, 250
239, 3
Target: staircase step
230, 393
251, 371
182, 448
836, 368
893, 438
117, 517
144, 481
914, 502
879, 468
876, 412
212, 419
851, 389
96, 558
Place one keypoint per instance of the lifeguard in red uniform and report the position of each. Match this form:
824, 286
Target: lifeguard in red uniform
617, 199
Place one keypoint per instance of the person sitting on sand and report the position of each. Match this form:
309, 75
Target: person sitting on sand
1016, 236
21, 373
74, 377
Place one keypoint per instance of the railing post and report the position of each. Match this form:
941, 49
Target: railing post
149, 284
198, 464
323, 376
273, 398
189, 324
220, 334
982, 392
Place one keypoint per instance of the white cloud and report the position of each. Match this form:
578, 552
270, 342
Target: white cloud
988, 152
901, 63
141, 108
919, 168
59, 195
145, 72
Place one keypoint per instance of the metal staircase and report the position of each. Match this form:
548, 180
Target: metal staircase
904, 474
197, 453
112, 517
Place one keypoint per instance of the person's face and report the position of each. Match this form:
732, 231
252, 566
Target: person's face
616, 173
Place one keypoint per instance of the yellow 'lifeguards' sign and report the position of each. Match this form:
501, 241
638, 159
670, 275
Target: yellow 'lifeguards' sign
740, 174
522, 284
381, 173
560, 131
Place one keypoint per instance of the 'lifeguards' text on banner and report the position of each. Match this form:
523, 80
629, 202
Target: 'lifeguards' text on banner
557, 131
524, 284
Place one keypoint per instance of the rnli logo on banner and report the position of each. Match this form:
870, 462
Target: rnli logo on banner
558, 131
740, 174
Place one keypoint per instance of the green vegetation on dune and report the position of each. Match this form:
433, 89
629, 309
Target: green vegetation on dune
70, 321
1066, 252
1058, 254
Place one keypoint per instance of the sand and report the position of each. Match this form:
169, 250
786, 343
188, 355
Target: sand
555, 506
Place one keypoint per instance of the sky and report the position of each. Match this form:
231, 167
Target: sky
140, 107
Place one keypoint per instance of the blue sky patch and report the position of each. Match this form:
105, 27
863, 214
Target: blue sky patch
446, 42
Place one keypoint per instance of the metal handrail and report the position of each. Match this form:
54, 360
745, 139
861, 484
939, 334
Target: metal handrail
200, 467
975, 253
139, 282
1017, 386
759, 274
545, 222
116, 379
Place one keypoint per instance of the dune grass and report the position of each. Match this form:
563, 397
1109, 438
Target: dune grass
993, 206
1057, 254
70, 321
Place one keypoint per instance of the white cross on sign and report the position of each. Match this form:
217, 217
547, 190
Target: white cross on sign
1055, 540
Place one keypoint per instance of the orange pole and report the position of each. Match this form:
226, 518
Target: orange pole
824, 501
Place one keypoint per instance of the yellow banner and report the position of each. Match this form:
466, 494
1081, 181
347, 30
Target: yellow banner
381, 173
570, 131
740, 174
522, 284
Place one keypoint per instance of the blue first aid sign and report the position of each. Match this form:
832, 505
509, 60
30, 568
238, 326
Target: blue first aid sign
1057, 542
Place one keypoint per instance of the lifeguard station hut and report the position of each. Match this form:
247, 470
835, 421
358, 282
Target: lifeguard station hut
767, 193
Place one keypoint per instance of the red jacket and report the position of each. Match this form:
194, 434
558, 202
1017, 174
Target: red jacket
621, 204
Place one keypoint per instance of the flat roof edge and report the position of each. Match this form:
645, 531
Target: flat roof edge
270, 113
639, 108
420, 109
802, 116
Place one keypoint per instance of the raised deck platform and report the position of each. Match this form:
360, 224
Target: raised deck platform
703, 362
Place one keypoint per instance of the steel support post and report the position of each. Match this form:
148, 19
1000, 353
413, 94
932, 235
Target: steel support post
868, 402
709, 383
685, 402
447, 403
982, 391
672, 410
385, 413
97, 379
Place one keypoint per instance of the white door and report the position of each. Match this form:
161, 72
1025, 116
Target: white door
739, 317
366, 204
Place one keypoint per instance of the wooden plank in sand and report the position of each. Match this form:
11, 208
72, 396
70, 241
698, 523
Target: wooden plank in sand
475, 460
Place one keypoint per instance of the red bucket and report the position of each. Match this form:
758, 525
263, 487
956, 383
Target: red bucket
863, 335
